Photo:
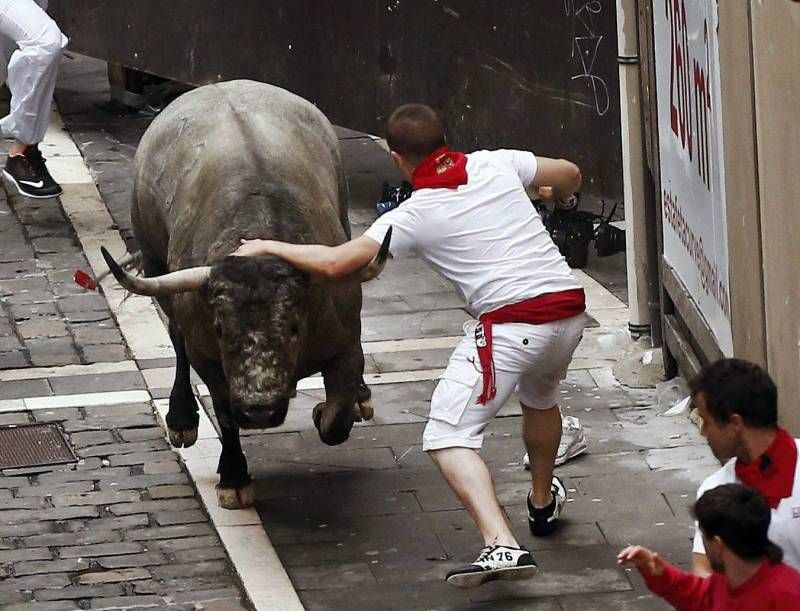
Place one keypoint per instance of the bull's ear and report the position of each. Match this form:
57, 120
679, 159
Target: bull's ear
375, 267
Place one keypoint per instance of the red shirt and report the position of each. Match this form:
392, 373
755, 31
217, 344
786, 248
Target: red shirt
775, 587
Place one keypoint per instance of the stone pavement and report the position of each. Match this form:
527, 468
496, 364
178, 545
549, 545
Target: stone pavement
45, 318
120, 529
369, 524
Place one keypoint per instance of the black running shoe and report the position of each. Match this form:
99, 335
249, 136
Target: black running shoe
544, 521
493, 563
29, 174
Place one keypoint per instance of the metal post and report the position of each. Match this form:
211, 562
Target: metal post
633, 167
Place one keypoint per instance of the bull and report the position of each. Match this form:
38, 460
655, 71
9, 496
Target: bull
237, 160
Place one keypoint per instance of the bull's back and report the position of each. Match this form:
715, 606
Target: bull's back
221, 140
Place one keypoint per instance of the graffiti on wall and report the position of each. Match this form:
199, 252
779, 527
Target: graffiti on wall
586, 41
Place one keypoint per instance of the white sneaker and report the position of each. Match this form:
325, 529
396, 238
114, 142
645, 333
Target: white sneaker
494, 562
573, 442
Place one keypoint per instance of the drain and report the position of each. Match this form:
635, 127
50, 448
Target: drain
33, 445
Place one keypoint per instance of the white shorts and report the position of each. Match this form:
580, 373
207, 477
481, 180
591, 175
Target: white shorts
533, 358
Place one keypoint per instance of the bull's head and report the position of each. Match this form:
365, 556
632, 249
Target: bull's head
258, 307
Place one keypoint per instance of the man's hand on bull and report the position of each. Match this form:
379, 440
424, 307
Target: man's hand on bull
317, 259
252, 248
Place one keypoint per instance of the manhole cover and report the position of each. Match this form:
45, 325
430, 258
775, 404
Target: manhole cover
33, 445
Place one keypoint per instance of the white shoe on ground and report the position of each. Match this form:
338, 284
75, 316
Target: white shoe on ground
573, 442
493, 563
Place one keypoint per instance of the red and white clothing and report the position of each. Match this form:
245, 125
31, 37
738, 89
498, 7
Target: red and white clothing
471, 220
484, 236
784, 527
775, 587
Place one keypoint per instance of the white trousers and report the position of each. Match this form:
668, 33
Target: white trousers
30, 49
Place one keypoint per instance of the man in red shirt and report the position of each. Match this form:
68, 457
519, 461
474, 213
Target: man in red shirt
748, 574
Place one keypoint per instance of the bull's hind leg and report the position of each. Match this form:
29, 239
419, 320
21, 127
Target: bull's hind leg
235, 488
183, 417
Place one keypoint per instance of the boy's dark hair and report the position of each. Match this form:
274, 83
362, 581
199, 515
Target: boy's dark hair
740, 517
414, 131
735, 386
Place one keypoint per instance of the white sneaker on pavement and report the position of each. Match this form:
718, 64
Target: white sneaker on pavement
494, 562
573, 442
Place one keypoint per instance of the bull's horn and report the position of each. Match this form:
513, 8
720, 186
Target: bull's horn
182, 281
375, 267
129, 261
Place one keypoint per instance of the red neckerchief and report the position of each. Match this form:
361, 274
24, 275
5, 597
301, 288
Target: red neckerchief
443, 168
539, 310
772, 473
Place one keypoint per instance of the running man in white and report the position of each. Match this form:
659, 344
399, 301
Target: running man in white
30, 50
470, 218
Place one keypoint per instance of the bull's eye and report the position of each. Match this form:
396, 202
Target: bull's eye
294, 329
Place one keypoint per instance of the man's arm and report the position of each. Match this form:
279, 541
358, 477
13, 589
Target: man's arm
329, 261
556, 179
700, 565
682, 590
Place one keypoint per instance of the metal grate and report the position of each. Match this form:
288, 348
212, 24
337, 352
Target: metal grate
33, 445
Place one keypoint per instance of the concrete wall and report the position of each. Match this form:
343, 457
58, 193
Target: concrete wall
776, 57
741, 183
759, 50
759, 54
536, 74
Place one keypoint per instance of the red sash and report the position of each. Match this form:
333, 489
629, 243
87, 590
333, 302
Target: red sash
772, 473
539, 310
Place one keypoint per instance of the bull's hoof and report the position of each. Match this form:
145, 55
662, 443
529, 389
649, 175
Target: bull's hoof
316, 414
235, 498
364, 392
366, 410
182, 439
330, 431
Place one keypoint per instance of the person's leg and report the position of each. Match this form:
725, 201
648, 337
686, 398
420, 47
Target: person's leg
7, 48
469, 477
551, 347
32, 69
31, 80
541, 431
452, 437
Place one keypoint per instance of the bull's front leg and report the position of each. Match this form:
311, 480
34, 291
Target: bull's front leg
334, 418
235, 488
182, 417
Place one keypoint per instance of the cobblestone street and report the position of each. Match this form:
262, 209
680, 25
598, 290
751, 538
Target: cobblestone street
366, 525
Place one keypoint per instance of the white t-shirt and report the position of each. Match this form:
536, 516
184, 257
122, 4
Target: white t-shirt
784, 527
485, 236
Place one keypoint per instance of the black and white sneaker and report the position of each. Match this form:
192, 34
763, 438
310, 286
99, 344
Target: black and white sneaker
29, 174
544, 521
493, 563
